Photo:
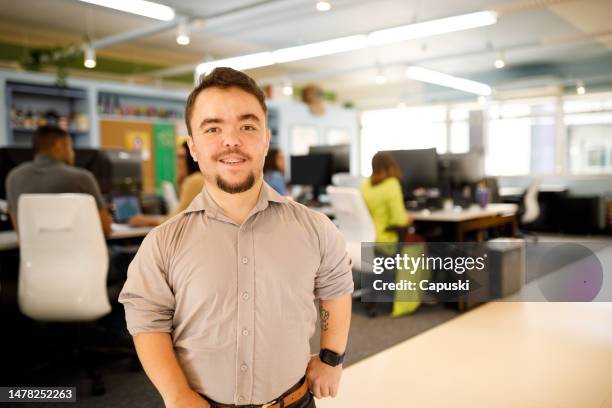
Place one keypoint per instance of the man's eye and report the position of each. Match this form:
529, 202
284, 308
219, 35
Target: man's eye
211, 130
249, 127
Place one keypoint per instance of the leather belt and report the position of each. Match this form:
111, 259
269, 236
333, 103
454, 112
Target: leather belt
281, 402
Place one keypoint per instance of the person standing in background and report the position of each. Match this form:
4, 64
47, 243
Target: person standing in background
382, 193
191, 180
274, 171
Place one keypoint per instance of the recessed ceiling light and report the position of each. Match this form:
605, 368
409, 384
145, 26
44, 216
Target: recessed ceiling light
323, 5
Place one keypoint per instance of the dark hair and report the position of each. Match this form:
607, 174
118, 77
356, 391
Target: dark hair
46, 136
383, 167
270, 163
192, 166
224, 77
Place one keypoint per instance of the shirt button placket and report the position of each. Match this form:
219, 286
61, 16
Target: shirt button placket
246, 313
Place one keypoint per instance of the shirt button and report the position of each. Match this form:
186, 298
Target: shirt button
241, 399
245, 295
245, 332
243, 368
245, 260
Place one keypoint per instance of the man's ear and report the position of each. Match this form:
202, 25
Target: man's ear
192, 150
267, 145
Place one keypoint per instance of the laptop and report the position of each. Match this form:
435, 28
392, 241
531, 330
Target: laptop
124, 207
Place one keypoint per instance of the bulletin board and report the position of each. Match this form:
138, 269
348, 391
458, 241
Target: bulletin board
121, 134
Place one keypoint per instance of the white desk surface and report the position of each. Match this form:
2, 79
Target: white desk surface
464, 214
8, 239
498, 355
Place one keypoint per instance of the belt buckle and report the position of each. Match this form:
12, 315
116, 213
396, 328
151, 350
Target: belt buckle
269, 404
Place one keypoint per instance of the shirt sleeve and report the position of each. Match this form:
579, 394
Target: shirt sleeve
146, 296
397, 211
334, 277
89, 185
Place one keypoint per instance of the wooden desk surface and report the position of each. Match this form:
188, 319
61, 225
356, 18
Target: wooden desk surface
460, 215
8, 239
501, 354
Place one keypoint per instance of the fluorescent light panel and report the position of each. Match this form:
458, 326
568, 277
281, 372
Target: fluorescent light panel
321, 48
433, 27
449, 81
140, 7
354, 42
261, 59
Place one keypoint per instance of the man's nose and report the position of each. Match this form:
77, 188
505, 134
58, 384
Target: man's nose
232, 138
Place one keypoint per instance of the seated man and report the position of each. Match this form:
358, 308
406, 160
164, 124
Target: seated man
53, 172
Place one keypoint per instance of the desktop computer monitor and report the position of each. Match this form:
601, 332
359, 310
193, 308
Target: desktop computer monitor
126, 170
311, 170
462, 168
419, 168
341, 155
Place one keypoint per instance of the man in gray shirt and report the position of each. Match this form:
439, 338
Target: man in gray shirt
220, 298
53, 172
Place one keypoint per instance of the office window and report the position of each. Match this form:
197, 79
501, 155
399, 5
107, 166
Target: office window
302, 137
521, 139
396, 129
589, 134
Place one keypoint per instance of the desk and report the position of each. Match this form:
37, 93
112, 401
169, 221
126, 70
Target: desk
502, 354
471, 219
8, 239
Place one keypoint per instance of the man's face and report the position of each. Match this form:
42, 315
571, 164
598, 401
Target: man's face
229, 138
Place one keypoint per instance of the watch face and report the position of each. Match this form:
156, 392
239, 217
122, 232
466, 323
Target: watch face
330, 358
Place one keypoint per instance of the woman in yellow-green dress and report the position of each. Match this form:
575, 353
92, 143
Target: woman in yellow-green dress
382, 193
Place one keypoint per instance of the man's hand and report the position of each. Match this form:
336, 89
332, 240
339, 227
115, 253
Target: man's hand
323, 379
188, 399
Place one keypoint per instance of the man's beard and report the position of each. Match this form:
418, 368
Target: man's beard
236, 188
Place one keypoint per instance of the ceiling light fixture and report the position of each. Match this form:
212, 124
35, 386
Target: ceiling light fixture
433, 27
260, 59
140, 7
321, 48
499, 61
449, 81
287, 89
359, 41
580, 89
89, 60
182, 37
323, 5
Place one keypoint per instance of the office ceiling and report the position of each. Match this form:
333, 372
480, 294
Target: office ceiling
547, 39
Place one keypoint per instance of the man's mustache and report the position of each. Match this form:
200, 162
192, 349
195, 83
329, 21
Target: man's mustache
232, 151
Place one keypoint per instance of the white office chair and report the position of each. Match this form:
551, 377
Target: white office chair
346, 180
64, 258
353, 219
530, 202
170, 198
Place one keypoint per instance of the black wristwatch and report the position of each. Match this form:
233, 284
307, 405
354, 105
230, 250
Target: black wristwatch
330, 357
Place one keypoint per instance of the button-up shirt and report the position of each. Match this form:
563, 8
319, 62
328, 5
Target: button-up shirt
238, 300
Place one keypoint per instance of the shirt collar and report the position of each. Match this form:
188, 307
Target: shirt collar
45, 159
204, 202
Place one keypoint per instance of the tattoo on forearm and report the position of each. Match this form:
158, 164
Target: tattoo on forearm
324, 319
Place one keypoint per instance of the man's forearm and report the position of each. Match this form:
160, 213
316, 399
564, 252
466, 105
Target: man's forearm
335, 317
156, 353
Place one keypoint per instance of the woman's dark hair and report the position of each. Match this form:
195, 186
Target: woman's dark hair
383, 167
192, 166
270, 164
